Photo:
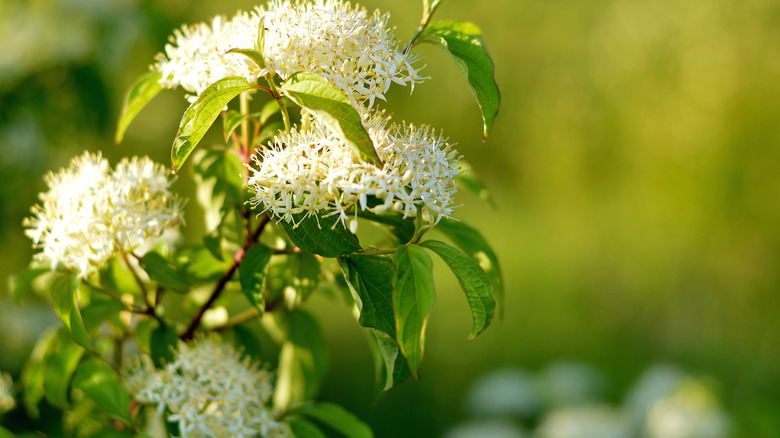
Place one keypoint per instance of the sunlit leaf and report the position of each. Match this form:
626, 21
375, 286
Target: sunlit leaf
473, 281
163, 272
64, 293
301, 428
197, 265
303, 360
21, 283
139, 95
463, 43
333, 108
336, 418
232, 119
103, 386
59, 369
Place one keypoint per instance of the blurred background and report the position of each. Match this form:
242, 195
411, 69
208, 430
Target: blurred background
635, 167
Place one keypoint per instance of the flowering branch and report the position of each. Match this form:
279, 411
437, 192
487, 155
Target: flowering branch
428, 10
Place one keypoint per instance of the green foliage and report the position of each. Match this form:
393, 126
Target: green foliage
163, 272
336, 418
201, 115
472, 279
402, 229
391, 367
413, 299
59, 368
252, 274
463, 43
232, 119
144, 90
21, 283
32, 374
162, 345
197, 265
333, 108
103, 386
301, 428
64, 293
370, 278
303, 360
324, 236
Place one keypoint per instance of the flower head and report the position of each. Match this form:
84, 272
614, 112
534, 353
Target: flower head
314, 172
92, 213
358, 53
209, 391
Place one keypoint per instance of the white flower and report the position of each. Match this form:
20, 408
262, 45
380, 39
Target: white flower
358, 53
209, 391
7, 401
314, 172
92, 213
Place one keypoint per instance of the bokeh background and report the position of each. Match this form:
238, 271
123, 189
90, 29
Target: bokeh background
635, 169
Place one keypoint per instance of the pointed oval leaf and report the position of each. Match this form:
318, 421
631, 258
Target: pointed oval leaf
32, 373
21, 283
303, 360
197, 265
252, 274
253, 55
163, 343
463, 43
336, 418
470, 241
413, 300
59, 369
473, 281
391, 368
102, 385
232, 120
202, 113
64, 293
325, 236
370, 278
142, 91
301, 428
334, 109
163, 273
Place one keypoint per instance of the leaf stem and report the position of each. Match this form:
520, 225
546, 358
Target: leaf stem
428, 10
374, 252
223, 281
244, 106
137, 277
278, 96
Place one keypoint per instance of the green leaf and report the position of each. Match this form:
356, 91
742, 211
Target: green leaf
102, 385
115, 275
64, 293
402, 229
470, 241
337, 418
5, 433
232, 119
413, 299
334, 109
391, 366
98, 312
202, 113
21, 283
370, 278
304, 270
253, 55
463, 43
260, 43
59, 368
164, 341
270, 109
303, 360
163, 273
325, 236
139, 95
473, 280
303, 429
252, 274
32, 373
197, 265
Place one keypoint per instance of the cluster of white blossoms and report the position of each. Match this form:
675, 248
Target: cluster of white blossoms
356, 52
92, 213
7, 401
312, 171
209, 391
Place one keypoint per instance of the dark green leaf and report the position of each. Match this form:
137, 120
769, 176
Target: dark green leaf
337, 418
402, 229
413, 299
164, 341
473, 280
231, 120
301, 428
32, 373
475, 246
19, 284
247, 342
391, 366
463, 43
98, 312
370, 278
59, 369
303, 360
163, 273
139, 95
64, 293
102, 385
198, 265
325, 236
252, 274
334, 109
201, 115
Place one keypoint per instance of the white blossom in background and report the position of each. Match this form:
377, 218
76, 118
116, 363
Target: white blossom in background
209, 391
7, 401
587, 421
356, 51
91, 213
314, 172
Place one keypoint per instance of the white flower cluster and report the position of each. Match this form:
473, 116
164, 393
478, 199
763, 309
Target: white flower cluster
314, 172
355, 51
7, 401
209, 391
92, 213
